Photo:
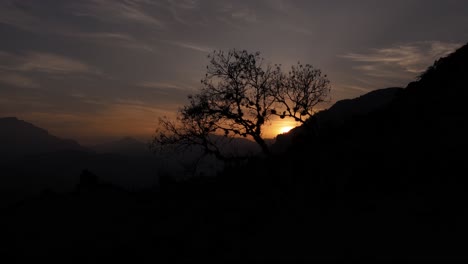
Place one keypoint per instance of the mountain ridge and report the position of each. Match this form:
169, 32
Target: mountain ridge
20, 138
124, 146
338, 114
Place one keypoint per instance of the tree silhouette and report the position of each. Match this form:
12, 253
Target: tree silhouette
239, 94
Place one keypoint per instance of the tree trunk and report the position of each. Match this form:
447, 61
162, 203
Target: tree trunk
263, 145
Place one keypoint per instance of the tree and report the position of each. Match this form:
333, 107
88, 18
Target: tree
239, 94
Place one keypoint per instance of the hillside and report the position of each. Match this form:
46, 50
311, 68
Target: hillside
337, 115
394, 173
345, 109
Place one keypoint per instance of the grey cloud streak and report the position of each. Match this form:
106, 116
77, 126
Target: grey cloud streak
17, 80
408, 58
28, 16
118, 12
50, 63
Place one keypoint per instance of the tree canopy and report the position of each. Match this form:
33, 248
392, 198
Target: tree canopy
240, 93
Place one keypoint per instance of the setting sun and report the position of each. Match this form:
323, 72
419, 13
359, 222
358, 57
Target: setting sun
285, 129
279, 126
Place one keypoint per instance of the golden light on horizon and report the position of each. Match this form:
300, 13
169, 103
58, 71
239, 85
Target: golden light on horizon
285, 129
279, 126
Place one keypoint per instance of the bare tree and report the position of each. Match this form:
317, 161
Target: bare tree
299, 91
239, 94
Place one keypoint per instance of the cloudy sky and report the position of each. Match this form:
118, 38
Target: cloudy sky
97, 70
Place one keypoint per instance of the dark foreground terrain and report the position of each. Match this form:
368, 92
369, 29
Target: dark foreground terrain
386, 184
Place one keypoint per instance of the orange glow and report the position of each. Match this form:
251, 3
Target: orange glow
279, 126
113, 122
285, 129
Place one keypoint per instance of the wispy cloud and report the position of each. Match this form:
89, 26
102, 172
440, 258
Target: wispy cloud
182, 11
17, 80
161, 85
245, 14
30, 17
235, 14
191, 46
297, 29
53, 63
167, 88
118, 12
45, 63
186, 4
280, 6
347, 87
114, 39
132, 102
17, 15
409, 58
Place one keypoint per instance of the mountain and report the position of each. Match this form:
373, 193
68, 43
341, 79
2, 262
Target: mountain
393, 176
441, 89
127, 146
340, 113
346, 109
425, 119
20, 138
34, 160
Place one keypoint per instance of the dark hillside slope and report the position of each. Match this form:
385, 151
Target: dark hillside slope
397, 174
364, 104
337, 115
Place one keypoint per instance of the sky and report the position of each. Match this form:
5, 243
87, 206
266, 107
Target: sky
99, 70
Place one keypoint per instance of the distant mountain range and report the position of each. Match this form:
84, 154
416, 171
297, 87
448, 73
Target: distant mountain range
33, 160
126, 146
20, 138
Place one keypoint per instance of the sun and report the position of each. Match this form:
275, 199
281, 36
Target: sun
279, 126
285, 129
